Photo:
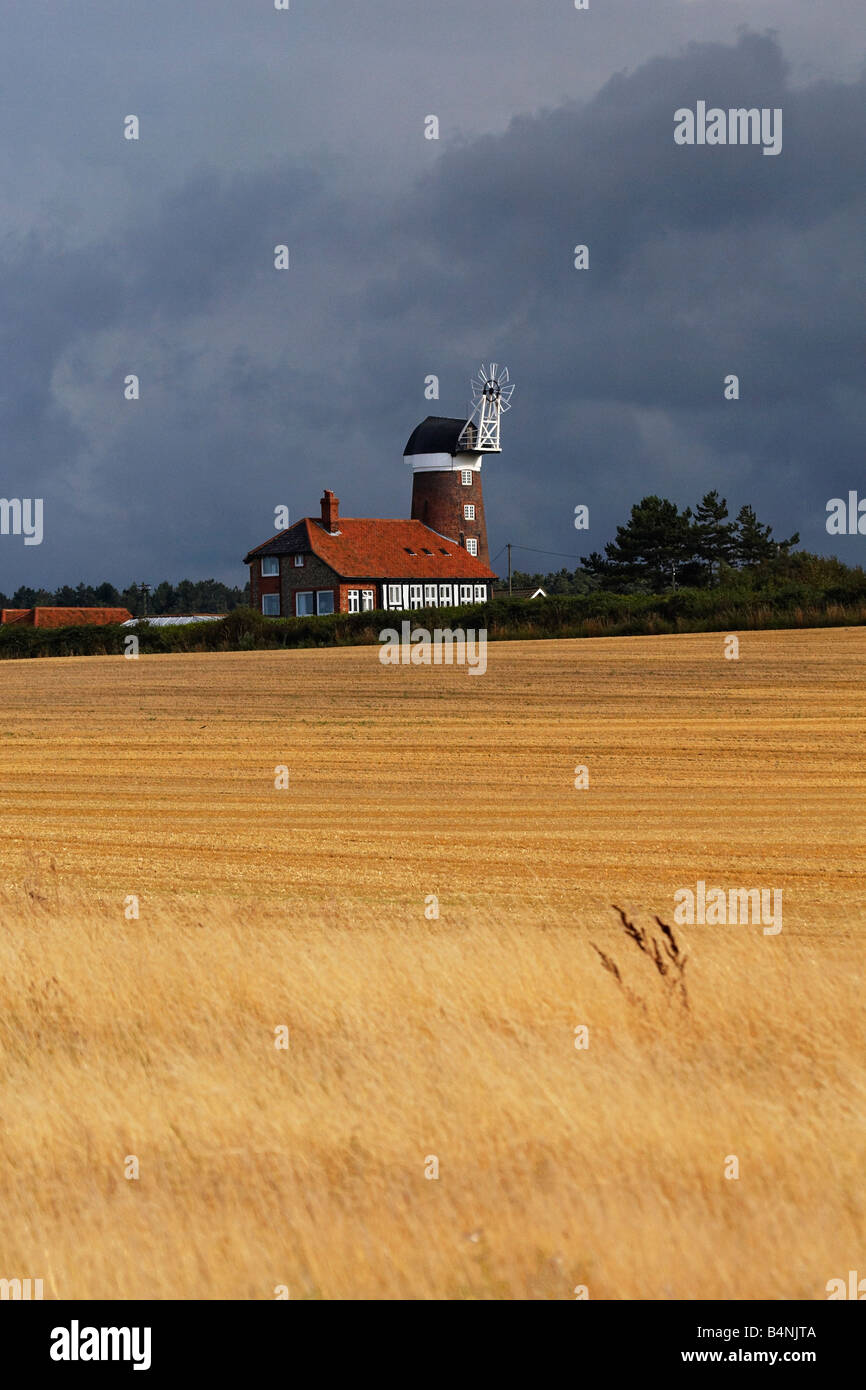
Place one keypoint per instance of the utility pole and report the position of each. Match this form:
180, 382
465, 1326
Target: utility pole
508, 547
145, 590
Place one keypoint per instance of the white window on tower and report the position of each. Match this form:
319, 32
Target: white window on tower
429, 595
465, 593
270, 566
466, 477
304, 604
469, 511
471, 545
325, 601
299, 562
395, 595
354, 601
367, 599
271, 605
480, 593
415, 595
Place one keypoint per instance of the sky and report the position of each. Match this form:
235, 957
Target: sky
411, 257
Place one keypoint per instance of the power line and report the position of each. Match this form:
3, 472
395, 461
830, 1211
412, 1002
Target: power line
535, 551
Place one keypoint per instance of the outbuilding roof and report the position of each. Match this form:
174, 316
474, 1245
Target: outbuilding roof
64, 617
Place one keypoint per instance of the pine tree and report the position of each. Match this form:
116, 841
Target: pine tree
713, 533
163, 597
106, 596
133, 599
753, 541
656, 542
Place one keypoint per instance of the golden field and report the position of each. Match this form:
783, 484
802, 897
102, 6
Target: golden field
453, 1037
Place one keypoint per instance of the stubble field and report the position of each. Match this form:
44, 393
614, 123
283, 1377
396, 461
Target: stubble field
150, 1041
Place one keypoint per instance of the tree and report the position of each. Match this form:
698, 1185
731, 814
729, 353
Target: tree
655, 544
107, 596
85, 596
199, 596
133, 599
753, 542
603, 574
560, 582
65, 597
713, 533
25, 597
163, 597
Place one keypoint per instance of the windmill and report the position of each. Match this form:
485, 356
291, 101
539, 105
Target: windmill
491, 397
445, 454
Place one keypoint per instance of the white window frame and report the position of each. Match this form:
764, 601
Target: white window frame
320, 611
446, 595
395, 595
465, 593
471, 545
368, 600
468, 511
430, 595
416, 595
305, 593
299, 562
265, 599
270, 560
354, 600
480, 593
466, 477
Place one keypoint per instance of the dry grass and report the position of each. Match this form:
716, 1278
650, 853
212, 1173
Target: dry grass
455, 1037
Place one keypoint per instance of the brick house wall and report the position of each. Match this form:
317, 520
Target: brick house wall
314, 574
261, 584
360, 584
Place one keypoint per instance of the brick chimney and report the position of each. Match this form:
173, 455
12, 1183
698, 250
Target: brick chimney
330, 510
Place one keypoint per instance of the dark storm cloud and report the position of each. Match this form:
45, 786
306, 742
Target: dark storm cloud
703, 262
258, 387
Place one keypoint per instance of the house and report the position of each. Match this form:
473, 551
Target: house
64, 617
523, 593
438, 558
334, 564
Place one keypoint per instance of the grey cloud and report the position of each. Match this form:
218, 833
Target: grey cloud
260, 388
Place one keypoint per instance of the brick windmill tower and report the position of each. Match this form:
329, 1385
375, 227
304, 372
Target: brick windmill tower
445, 456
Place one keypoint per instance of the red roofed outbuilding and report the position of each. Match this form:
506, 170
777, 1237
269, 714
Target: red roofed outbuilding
64, 617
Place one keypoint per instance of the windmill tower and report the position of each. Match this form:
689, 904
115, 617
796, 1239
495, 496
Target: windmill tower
445, 456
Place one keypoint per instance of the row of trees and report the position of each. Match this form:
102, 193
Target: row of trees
189, 596
661, 548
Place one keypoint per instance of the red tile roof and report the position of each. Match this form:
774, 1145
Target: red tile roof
377, 548
64, 617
